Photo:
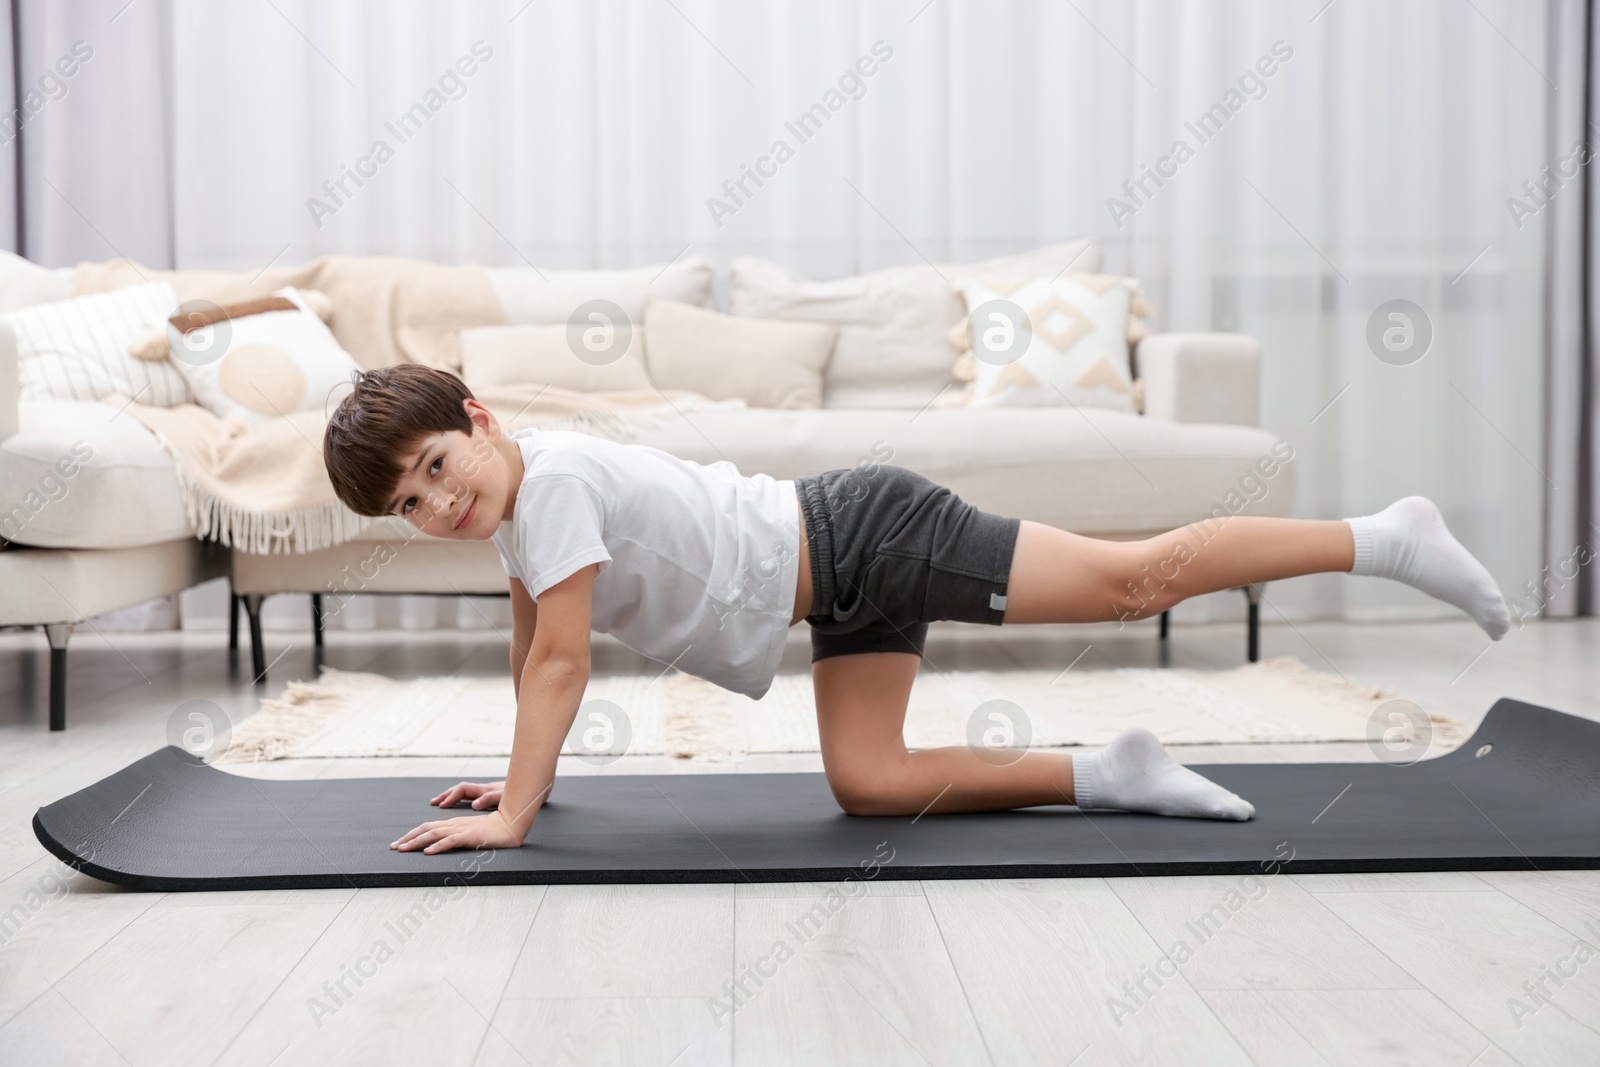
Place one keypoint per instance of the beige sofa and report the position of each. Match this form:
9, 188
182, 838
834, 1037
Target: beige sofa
114, 533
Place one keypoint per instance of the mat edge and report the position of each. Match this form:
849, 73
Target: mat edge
454, 878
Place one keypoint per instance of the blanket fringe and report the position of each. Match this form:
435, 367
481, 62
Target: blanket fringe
263, 533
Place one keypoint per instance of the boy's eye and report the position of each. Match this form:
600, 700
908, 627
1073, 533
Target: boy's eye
433, 468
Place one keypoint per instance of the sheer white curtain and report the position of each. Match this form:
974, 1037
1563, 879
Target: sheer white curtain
94, 82
1374, 162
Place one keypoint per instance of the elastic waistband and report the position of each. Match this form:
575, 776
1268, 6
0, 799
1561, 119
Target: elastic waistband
819, 529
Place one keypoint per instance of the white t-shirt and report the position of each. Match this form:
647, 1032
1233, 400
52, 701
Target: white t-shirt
698, 563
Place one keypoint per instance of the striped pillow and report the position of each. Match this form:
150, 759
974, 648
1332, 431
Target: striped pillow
77, 349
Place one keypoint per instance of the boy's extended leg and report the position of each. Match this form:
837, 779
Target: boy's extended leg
1058, 576
861, 711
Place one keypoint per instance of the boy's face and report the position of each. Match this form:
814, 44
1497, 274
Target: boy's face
455, 486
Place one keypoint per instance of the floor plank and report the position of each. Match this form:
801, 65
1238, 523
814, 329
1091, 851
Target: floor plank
1355, 1027
629, 941
174, 985
1394, 882
648, 956
392, 955
581, 1032
1048, 966
1570, 899
1475, 951
847, 977
52, 919
1254, 931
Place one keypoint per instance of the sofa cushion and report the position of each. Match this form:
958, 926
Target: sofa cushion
77, 349
553, 296
1091, 471
24, 283
383, 560
768, 363
79, 475
894, 348
1050, 342
260, 359
49, 586
548, 354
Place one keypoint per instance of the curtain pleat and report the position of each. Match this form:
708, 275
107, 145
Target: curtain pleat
12, 206
1566, 584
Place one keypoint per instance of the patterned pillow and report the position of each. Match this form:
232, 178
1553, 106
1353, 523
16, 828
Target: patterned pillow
1047, 342
77, 349
259, 359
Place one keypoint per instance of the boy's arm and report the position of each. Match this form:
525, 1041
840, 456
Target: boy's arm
548, 694
524, 623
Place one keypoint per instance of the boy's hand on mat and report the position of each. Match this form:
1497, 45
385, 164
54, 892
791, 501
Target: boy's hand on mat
483, 795
466, 831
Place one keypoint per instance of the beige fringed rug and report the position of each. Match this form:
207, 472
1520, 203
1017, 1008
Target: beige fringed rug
347, 713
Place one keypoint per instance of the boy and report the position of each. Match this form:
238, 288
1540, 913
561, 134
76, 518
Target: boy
703, 568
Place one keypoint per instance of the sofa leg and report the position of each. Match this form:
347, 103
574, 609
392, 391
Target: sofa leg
258, 649
233, 618
58, 633
1253, 640
1163, 626
316, 619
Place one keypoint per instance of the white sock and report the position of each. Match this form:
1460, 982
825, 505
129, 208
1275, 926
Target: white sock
1134, 773
1408, 542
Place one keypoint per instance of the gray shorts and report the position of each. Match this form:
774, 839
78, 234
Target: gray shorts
892, 551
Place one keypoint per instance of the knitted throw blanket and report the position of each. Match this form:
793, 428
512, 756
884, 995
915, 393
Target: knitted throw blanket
264, 489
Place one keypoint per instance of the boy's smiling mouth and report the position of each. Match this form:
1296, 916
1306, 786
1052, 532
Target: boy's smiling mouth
466, 516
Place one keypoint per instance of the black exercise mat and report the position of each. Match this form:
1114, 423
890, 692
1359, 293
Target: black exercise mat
171, 822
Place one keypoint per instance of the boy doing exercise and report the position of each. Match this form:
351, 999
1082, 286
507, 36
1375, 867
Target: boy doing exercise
705, 569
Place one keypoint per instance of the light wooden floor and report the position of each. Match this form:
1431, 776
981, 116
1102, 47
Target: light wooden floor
1317, 969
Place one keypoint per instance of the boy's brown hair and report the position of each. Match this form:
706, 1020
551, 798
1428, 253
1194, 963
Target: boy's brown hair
387, 415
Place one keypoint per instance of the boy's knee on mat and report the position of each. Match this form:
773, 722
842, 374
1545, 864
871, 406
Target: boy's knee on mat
859, 793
